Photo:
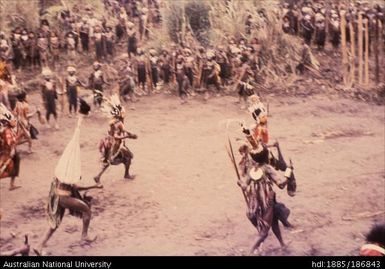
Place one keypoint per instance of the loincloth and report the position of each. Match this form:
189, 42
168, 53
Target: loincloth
55, 211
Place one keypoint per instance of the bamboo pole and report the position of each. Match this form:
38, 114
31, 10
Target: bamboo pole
353, 53
381, 46
183, 37
343, 48
360, 48
366, 52
327, 21
376, 47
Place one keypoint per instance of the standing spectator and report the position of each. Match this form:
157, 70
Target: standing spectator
49, 96
84, 33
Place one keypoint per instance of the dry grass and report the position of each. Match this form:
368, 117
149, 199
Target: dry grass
280, 52
20, 13
25, 13
76, 7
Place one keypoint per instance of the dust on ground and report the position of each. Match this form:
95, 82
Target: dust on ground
184, 199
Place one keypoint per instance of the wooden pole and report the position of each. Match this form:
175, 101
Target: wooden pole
343, 48
381, 46
327, 26
366, 52
353, 53
360, 48
376, 47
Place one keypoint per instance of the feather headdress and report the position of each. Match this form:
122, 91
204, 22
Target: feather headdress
5, 114
112, 107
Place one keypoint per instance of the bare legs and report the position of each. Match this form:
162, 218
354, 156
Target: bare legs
127, 169
97, 178
15, 173
77, 205
124, 157
270, 221
12, 185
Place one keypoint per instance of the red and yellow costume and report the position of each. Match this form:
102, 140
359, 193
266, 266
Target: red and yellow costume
8, 163
261, 133
21, 112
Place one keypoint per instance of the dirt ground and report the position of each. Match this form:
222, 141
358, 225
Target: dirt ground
184, 199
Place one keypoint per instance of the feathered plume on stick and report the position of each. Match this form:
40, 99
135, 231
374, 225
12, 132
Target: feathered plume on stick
68, 169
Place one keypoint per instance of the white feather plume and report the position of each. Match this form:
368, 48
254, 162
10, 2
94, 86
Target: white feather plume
112, 106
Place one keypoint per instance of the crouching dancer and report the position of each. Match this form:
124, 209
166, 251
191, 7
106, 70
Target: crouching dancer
65, 191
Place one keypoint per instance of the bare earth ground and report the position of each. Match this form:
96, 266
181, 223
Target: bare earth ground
185, 201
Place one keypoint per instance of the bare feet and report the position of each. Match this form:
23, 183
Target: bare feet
24, 251
131, 177
97, 179
88, 239
14, 187
38, 251
257, 252
288, 225
285, 246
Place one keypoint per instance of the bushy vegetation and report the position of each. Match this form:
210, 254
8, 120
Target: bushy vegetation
28, 13
197, 14
21, 13
174, 19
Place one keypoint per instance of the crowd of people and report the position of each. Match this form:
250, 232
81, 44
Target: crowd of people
320, 21
185, 66
78, 33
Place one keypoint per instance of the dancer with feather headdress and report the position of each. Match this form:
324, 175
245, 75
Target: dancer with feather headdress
113, 148
257, 174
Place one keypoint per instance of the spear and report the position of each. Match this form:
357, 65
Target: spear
232, 158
